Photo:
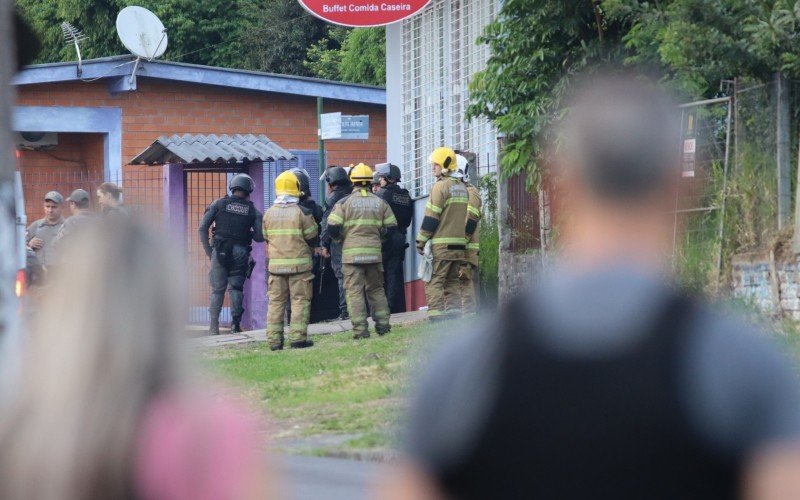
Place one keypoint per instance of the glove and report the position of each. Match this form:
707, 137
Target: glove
421, 249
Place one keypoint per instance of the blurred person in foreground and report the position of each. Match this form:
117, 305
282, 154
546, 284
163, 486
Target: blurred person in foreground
109, 196
603, 381
102, 406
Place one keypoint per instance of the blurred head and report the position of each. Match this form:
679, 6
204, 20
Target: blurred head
617, 164
105, 343
109, 195
53, 202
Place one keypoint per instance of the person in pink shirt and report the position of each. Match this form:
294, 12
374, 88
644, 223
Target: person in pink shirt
104, 405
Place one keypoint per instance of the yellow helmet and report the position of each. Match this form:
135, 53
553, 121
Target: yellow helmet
445, 157
287, 184
361, 173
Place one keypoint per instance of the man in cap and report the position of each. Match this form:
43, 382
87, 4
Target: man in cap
41, 235
362, 221
339, 187
237, 223
444, 226
394, 249
467, 274
291, 233
79, 206
603, 381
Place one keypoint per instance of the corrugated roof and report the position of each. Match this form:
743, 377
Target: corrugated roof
195, 148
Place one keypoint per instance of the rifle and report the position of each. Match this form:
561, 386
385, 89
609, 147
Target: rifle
251, 264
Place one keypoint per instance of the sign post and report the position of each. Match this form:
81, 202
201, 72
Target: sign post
320, 151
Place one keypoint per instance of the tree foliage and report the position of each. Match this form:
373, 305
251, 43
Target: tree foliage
538, 46
351, 55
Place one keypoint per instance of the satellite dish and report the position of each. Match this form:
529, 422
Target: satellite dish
141, 32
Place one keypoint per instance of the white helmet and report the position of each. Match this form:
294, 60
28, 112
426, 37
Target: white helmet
461, 169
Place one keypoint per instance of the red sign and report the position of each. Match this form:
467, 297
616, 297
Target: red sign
359, 13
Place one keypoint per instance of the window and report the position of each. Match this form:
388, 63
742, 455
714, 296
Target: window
439, 56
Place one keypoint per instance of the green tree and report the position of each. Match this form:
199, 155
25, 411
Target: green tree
351, 55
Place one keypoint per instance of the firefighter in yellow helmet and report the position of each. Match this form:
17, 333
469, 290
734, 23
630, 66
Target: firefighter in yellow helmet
291, 233
444, 226
363, 221
468, 273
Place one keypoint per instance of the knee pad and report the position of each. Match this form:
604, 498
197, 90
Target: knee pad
237, 288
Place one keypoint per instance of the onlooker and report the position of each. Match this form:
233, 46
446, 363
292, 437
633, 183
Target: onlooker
109, 195
603, 381
103, 407
81, 215
42, 233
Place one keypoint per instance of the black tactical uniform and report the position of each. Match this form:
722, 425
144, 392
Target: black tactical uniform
394, 248
237, 223
341, 187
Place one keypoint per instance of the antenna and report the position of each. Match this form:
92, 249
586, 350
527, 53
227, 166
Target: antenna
142, 33
73, 35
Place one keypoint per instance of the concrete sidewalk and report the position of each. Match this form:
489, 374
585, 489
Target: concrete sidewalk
211, 341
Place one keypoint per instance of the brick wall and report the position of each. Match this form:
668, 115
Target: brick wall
165, 108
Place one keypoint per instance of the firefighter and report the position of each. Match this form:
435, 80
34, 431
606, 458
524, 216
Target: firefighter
444, 226
394, 250
362, 221
291, 235
339, 187
468, 273
237, 223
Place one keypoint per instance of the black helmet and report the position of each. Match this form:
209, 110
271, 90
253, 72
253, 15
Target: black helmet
337, 176
394, 173
389, 171
305, 182
376, 178
243, 182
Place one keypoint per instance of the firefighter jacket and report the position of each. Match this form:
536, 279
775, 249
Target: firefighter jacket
474, 214
362, 220
290, 232
444, 222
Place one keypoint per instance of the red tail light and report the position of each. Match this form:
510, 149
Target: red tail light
19, 286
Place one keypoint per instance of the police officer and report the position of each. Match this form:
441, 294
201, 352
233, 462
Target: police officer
362, 221
339, 187
376, 183
237, 223
79, 206
444, 225
467, 274
291, 234
305, 194
394, 249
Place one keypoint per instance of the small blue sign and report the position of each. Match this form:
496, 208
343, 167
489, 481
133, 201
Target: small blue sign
355, 127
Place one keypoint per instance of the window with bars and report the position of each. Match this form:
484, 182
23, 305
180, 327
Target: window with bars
304, 159
439, 58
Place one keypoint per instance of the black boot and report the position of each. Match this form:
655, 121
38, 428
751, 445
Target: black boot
278, 347
302, 344
235, 328
213, 328
362, 335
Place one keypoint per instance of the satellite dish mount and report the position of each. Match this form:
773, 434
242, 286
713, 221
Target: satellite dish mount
142, 33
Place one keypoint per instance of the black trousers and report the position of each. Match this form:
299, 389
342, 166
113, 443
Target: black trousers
393, 280
231, 275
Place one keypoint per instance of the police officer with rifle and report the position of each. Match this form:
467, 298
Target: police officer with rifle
237, 223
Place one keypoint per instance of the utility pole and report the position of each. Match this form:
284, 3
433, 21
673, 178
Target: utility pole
783, 152
320, 152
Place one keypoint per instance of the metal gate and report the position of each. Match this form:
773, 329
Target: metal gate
202, 186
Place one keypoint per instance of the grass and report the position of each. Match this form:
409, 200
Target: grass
341, 395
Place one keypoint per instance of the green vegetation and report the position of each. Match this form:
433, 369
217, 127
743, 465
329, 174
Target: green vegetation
276, 36
489, 256
340, 395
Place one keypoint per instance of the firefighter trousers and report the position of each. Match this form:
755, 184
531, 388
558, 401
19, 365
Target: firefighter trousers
443, 290
361, 278
467, 276
297, 288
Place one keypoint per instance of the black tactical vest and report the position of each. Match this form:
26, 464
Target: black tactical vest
234, 219
400, 201
578, 428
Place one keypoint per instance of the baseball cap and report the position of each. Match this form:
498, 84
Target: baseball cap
55, 197
79, 196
